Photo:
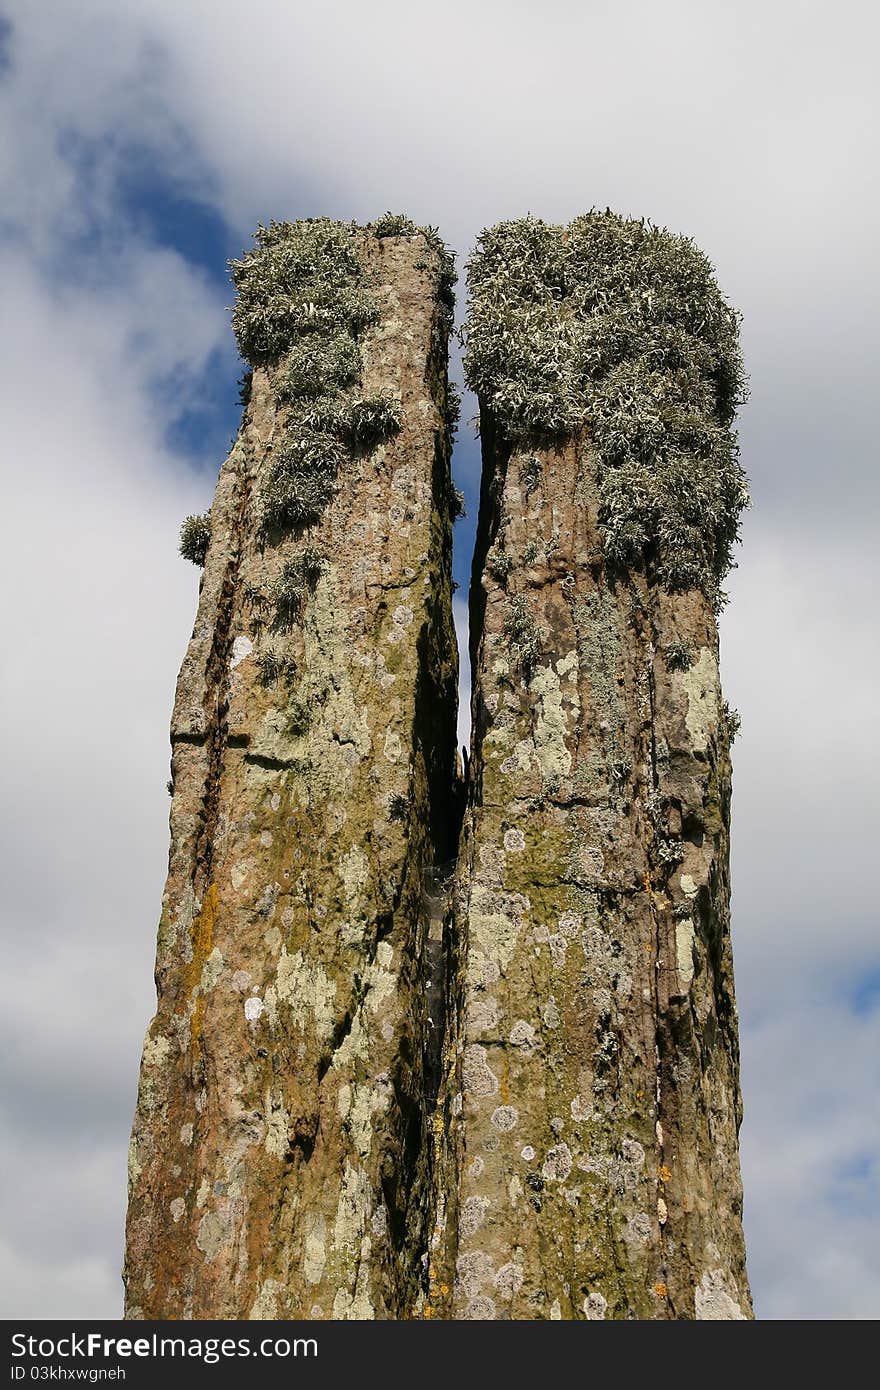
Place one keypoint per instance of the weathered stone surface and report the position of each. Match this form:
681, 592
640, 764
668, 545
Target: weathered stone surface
356, 1099
594, 1172
278, 1159
597, 1173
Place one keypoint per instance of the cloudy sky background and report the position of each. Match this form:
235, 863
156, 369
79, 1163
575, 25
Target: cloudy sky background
139, 145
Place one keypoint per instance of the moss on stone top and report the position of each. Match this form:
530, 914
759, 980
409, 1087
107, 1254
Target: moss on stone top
612, 325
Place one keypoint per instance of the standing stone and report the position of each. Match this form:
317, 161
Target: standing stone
278, 1164
595, 1171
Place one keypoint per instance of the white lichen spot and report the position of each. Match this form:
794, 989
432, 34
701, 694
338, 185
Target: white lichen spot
662, 1211
595, 1307
555, 1311
505, 1118
557, 1164
241, 648
186, 1134
254, 1009
482, 1014
178, 1207
241, 981
633, 1153
477, 1077
477, 1167
402, 615
528, 1153
212, 970
713, 1300
514, 840
570, 924
568, 665
581, 1110
266, 842
238, 873
156, 1050
379, 1221
522, 1034
315, 1249
684, 950
203, 1193
480, 1309
472, 1215
558, 948
211, 1235
688, 886
508, 1280
550, 1013
472, 1269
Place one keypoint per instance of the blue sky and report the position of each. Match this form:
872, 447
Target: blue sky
140, 145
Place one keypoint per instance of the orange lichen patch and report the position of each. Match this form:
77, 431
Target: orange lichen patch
660, 1289
664, 1173
201, 937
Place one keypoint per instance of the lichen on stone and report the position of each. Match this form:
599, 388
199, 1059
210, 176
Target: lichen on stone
616, 327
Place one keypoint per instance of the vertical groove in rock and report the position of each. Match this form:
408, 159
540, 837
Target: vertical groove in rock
593, 1171
280, 1158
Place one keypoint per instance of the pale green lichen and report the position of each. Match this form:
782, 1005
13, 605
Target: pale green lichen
701, 685
306, 992
265, 1305
684, 950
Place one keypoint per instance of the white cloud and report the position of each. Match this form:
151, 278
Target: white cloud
98, 613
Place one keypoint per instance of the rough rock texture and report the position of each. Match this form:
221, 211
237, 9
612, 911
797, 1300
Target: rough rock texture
598, 1165
595, 1170
377, 1085
279, 1159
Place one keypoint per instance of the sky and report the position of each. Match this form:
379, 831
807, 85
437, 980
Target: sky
140, 144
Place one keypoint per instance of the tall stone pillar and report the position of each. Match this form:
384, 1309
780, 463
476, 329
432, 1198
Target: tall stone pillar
278, 1162
594, 1173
